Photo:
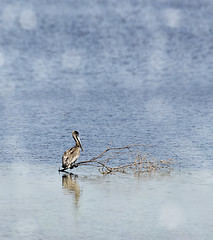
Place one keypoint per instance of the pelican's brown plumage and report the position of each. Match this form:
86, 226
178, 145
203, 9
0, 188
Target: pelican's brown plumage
71, 155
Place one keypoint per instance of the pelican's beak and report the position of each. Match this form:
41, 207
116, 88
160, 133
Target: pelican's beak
79, 142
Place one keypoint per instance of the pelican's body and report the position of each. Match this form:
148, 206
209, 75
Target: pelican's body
71, 155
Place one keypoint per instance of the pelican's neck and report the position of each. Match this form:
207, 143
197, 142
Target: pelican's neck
76, 142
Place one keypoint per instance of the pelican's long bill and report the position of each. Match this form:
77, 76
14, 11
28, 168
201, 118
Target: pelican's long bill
79, 142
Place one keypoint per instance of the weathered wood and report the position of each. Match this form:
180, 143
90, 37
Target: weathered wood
141, 162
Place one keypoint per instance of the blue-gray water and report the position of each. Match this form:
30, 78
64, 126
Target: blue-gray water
122, 72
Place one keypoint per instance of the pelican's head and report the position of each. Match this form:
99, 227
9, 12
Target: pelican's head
76, 137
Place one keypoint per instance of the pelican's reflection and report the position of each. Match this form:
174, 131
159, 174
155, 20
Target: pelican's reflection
71, 185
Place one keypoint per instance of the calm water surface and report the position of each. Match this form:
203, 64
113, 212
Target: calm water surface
126, 73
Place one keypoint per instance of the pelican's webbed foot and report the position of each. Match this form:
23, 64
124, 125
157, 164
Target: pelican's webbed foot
62, 170
74, 166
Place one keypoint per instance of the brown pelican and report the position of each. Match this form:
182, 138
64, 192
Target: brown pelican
71, 155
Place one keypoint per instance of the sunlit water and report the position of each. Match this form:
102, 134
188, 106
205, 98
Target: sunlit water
126, 73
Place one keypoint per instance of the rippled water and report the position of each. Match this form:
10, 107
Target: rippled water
126, 73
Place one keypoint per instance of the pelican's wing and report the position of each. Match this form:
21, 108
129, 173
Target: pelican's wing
69, 157
66, 158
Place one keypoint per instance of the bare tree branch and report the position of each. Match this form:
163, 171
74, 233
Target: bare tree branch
139, 161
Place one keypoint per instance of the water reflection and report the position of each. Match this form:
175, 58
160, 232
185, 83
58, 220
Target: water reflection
71, 186
150, 175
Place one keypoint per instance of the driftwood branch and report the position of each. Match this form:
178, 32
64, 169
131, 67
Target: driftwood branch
131, 159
